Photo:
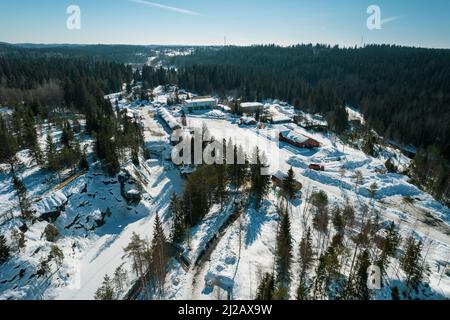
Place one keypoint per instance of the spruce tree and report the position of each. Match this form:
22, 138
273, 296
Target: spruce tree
83, 164
106, 290
266, 288
221, 192
319, 201
159, 254
120, 279
284, 251
260, 183
388, 247
9, 146
135, 251
327, 272
4, 249
412, 263
306, 254
361, 276
305, 260
179, 223
22, 195
53, 163
288, 184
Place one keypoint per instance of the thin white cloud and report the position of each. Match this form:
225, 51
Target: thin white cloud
390, 19
164, 7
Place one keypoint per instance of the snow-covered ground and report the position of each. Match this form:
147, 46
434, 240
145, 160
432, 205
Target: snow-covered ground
258, 230
243, 251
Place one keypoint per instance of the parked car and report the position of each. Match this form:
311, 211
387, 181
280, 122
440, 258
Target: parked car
317, 167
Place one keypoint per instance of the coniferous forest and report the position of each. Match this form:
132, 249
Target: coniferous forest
403, 93
396, 88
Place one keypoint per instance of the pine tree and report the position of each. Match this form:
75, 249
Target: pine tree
106, 290
388, 247
306, 254
321, 218
9, 146
29, 135
120, 280
362, 266
135, 251
53, 163
179, 223
57, 254
83, 164
305, 260
22, 195
288, 184
303, 290
412, 263
67, 135
17, 240
221, 192
284, 251
237, 171
4, 249
159, 254
369, 145
260, 183
326, 273
266, 288
357, 179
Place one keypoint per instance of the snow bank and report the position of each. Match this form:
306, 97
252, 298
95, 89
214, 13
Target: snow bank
51, 203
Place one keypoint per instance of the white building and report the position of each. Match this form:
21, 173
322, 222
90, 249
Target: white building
199, 103
250, 107
169, 119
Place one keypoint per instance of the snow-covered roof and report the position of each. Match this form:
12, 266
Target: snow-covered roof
224, 107
201, 99
168, 118
251, 105
295, 136
281, 118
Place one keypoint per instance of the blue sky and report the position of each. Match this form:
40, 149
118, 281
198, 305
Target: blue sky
243, 22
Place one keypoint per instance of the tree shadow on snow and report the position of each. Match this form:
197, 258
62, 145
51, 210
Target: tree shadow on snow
257, 218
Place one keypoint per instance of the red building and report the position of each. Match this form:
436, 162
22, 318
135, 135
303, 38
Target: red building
299, 140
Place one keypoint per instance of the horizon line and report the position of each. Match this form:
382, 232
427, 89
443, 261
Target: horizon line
340, 46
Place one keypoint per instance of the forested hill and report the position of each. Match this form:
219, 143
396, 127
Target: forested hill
403, 92
113, 53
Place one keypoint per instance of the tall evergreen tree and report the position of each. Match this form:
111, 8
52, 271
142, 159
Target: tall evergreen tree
388, 247
306, 254
284, 251
260, 182
266, 288
178, 218
288, 184
53, 163
305, 260
412, 263
360, 280
159, 254
106, 290
9, 146
22, 195
4, 249
319, 201
327, 272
